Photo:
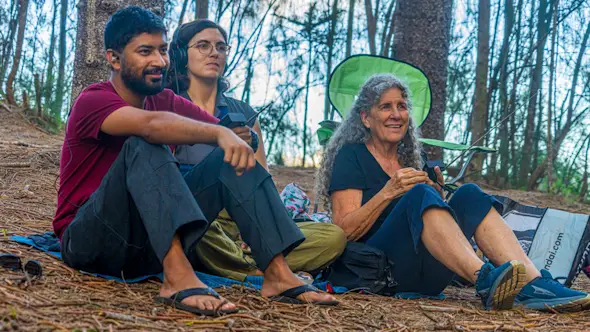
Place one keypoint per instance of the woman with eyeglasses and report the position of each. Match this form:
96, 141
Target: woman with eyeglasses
198, 55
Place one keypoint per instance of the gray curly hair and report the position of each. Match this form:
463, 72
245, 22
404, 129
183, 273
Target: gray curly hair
352, 131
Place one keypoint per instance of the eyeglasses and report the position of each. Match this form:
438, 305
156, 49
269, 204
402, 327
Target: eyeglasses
206, 47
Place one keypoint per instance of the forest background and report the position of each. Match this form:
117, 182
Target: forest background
515, 72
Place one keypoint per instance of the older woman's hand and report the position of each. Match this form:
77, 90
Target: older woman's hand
402, 181
440, 179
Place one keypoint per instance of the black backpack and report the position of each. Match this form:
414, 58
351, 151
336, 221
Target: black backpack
361, 267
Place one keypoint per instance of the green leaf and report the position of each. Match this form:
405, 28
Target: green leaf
13, 312
454, 146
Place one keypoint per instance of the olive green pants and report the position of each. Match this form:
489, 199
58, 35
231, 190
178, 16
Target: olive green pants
222, 253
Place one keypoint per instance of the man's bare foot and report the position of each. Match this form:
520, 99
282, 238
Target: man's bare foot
279, 278
203, 302
179, 276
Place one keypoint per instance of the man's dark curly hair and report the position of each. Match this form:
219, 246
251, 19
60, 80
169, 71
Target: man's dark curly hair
128, 23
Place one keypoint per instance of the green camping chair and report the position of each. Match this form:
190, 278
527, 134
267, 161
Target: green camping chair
349, 76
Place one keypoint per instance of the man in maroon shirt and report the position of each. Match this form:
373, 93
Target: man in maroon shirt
124, 208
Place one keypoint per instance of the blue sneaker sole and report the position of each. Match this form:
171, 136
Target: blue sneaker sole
572, 304
507, 286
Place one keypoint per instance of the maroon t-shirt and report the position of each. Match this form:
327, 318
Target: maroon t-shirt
87, 153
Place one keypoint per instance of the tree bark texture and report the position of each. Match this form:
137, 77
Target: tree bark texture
479, 115
22, 22
422, 36
90, 65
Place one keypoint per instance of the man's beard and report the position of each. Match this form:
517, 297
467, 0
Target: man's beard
141, 84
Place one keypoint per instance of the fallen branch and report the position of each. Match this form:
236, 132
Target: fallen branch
129, 318
16, 164
6, 107
189, 322
55, 325
445, 309
25, 144
246, 316
502, 327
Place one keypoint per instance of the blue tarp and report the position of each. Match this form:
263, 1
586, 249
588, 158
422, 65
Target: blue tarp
49, 243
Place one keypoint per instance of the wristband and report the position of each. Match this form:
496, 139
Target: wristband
254, 140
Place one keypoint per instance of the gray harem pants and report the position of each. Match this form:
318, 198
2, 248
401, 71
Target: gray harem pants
127, 225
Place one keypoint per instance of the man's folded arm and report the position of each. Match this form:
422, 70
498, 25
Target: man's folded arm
159, 127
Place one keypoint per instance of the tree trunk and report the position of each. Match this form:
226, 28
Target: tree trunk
219, 12
562, 132
422, 35
512, 102
40, 19
60, 89
502, 177
182, 12
49, 78
387, 32
90, 65
38, 95
371, 26
550, 103
330, 42
7, 47
248, 82
201, 9
309, 32
568, 173
533, 97
584, 188
350, 27
479, 114
22, 22
537, 133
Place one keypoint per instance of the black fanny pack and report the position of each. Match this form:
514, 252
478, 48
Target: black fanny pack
361, 267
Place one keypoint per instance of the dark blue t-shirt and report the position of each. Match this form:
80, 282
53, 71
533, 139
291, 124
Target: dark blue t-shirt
356, 168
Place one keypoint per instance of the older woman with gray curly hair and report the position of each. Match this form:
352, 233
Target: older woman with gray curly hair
372, 181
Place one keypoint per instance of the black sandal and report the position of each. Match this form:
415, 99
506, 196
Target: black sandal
11, 262
290, 296
176, 299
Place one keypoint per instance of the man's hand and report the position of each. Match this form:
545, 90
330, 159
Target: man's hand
243, 133
237, 152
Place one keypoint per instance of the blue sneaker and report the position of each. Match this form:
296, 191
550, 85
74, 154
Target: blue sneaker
498, 286
547, 294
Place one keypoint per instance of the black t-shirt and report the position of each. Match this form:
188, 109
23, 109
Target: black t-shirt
356, 168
